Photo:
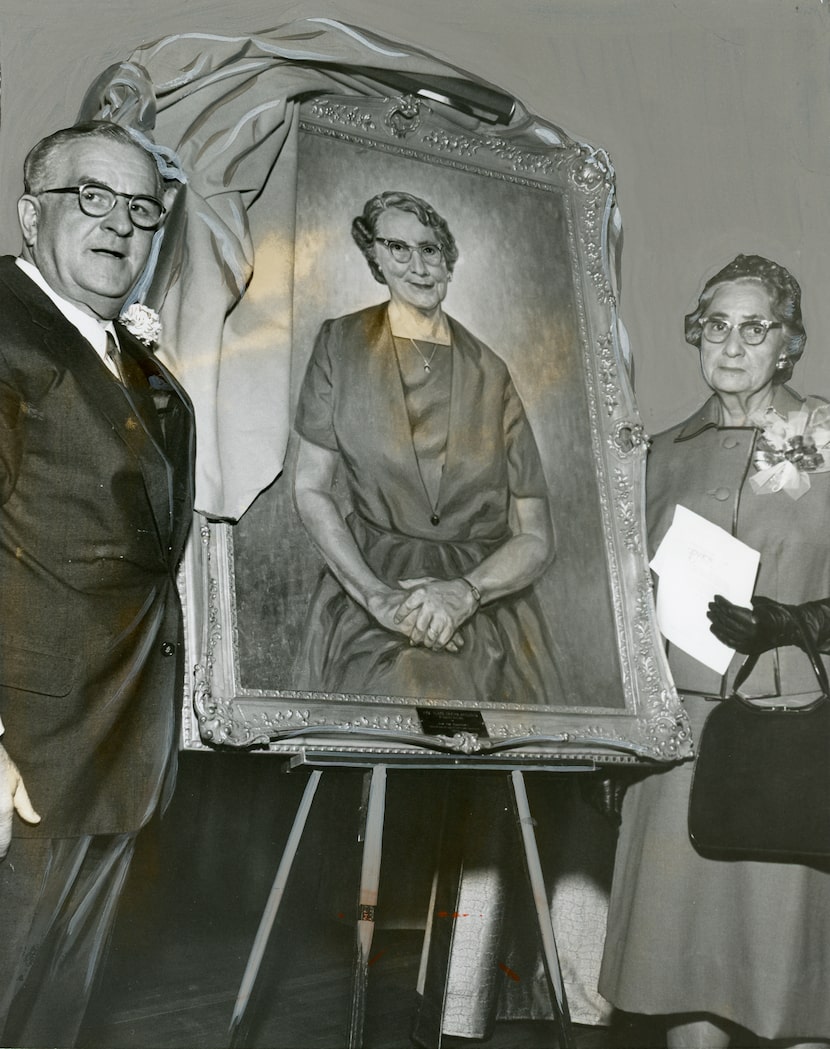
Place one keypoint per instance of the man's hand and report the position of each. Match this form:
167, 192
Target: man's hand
13, 798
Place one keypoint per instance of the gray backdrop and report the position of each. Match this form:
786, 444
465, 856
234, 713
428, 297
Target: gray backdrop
715, 113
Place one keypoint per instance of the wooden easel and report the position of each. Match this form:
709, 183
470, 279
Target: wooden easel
372, 818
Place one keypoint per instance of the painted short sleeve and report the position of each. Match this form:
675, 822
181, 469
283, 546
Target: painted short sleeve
526, 477
314, 419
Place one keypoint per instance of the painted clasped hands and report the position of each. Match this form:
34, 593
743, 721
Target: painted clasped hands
434, 611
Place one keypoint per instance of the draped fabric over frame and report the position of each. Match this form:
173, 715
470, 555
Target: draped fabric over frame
229, 107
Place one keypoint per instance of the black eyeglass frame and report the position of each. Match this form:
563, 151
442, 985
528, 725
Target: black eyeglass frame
765, 324
387, 242
114, 193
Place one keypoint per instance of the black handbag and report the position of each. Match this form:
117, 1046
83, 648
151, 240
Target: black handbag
761, 782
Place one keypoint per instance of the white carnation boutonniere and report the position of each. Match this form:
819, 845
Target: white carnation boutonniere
142, 322
789, 450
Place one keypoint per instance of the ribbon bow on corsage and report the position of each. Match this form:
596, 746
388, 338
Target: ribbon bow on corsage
789, 450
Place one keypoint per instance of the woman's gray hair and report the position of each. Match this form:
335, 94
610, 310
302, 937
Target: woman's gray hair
364, 227
785, 302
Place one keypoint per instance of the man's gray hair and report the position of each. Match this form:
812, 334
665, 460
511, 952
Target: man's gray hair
38, 165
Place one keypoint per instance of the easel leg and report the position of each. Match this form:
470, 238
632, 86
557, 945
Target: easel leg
367, 901
550, 956
272, 906
435, 955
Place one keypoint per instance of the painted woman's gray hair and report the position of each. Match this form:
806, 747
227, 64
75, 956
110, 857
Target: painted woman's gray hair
364, 227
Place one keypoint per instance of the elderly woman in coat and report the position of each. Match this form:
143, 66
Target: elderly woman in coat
723, 948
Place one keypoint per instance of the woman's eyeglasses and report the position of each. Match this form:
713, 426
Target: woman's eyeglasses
432, 254
97, 201
752, 333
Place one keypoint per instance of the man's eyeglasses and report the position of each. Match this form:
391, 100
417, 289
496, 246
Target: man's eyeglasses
97, 201
432, 254
752, 333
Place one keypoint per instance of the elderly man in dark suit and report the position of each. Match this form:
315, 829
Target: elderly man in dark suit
96, 496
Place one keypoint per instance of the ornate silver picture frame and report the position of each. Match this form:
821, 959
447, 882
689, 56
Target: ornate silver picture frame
534, 282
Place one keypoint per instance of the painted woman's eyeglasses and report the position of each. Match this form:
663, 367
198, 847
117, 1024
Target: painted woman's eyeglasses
432, 254
96, 201
753, 333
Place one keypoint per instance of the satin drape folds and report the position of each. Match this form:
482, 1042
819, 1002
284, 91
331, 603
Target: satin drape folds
229, 107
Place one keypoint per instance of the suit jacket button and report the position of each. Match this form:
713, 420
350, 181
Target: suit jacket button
167, 648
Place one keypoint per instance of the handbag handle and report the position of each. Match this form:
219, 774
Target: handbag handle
809, 647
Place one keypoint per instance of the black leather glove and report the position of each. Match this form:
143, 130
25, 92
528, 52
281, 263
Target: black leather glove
815, 619
768, 624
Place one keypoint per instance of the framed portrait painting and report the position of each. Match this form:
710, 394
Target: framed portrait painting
439, 455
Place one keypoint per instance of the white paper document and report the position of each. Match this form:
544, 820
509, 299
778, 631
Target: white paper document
695, 561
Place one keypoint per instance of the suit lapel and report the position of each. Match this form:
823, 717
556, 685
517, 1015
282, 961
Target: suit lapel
139, 395
120, 406
72, 354
169, 415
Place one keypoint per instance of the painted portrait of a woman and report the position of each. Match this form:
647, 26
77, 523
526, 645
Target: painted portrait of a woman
419, 480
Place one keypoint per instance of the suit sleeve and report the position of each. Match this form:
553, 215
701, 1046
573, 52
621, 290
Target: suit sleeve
10, 448
11, 438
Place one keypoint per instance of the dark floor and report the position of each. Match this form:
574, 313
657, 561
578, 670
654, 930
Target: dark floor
183, 996
191, 910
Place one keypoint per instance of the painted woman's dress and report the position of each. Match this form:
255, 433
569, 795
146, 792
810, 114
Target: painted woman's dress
354, 401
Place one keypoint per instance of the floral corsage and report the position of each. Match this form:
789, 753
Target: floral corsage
789, 450
142, 322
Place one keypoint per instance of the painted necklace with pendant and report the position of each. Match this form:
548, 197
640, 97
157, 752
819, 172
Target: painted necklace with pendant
427, 362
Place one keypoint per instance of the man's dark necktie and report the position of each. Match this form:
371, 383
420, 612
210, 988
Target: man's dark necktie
114, 353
